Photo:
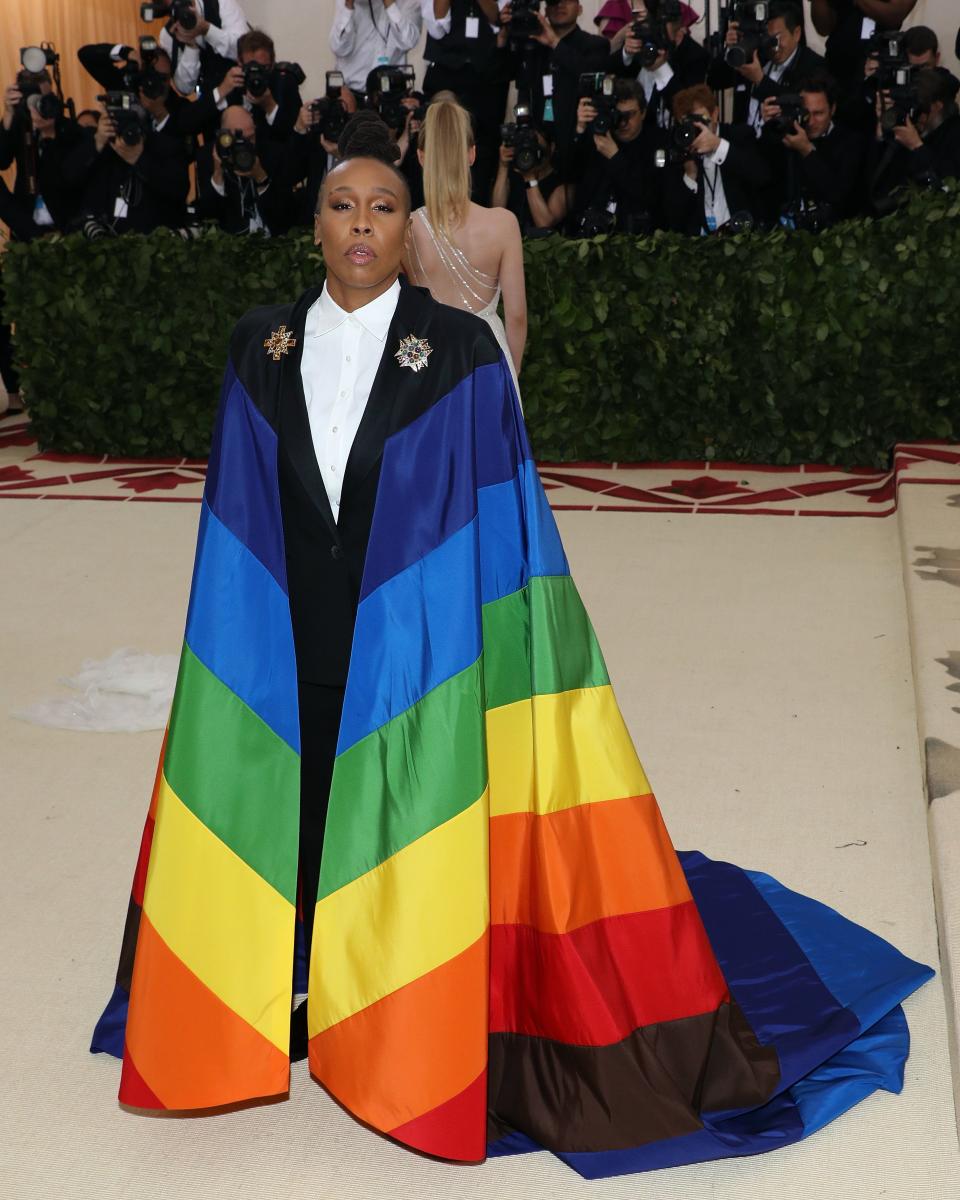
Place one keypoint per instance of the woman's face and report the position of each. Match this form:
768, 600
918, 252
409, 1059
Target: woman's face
362, 224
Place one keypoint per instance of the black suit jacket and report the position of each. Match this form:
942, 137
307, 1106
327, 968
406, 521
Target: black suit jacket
745, 176
42, 159
156, 184
275, 203
689, 62
807, 64
831, 174
325, 558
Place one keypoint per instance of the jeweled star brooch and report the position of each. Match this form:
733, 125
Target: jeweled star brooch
413, 352
279, 342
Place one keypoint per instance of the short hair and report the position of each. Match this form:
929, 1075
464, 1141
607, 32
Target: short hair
935, 84
254, 40
366, 135
630, 89
823, 84
921, 39
691, 99
789, 12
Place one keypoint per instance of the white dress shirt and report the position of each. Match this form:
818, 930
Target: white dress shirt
341, 354
370, 35
222, 38
716, 210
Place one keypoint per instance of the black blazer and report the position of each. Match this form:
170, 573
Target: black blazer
274, 204
807, 65
325, 558
745, 176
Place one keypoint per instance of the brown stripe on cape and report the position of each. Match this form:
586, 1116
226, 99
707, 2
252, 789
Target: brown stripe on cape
651, 1085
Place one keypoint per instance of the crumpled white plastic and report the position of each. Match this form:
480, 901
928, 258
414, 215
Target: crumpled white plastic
128, 692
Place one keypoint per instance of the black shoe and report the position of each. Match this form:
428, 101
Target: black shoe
298, 1033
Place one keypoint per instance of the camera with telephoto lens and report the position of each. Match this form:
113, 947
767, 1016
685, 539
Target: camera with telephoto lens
329, 115
256, 78
752, 36
34, 61
890, 51
128, 116
153, 83
180, 12
528, 152
792, 111
652, 32
904, 104
598, 89
235, 152
524, 22
682, 136
387, 87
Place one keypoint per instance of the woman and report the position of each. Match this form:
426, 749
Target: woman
507, 952
537, 198
466, 255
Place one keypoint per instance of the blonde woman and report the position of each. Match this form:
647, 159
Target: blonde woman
466, 255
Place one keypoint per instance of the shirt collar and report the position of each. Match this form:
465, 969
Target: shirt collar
325, 313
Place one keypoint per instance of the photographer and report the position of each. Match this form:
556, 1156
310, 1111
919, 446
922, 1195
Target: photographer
463, 56
36, 135
816, 162
722, 175
133, 175
847, 25
242, 182
116, 68
616, 188
770, 71
268, 91
201, 39
547, 62
535, 195
917, 137
311, 149
369, 33
656, 49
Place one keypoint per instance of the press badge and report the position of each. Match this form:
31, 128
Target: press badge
120, 208
548, 110
868, 28
548, 84
472, 28
711, 223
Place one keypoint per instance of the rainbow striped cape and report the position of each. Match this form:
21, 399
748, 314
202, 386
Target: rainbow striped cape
508, 953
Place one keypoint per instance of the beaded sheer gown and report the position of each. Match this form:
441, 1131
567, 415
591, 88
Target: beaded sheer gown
436, 262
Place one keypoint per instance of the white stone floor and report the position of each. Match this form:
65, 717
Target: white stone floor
765, 670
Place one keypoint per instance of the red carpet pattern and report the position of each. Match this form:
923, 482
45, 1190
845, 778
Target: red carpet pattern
811, 490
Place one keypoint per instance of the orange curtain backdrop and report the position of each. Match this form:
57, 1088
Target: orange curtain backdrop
69, 24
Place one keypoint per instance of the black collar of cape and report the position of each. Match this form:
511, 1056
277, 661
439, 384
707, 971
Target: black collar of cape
459, 341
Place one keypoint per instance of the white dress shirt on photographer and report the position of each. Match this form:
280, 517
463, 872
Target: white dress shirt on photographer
371, 35
716, 210
341, 353
221, 38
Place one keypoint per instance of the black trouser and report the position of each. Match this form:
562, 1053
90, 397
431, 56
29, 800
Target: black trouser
320, 709
484, 96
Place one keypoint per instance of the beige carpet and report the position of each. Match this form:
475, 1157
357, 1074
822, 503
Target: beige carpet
763, 666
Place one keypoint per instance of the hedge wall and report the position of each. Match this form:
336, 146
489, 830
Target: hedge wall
760, 348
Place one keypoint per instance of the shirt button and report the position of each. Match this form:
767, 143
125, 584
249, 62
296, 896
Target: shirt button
348, 358
335, 429
336, 552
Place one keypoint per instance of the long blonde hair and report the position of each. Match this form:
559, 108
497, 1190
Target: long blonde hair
445, 139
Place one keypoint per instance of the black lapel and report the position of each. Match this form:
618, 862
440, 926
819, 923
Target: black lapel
397, 392
295, 436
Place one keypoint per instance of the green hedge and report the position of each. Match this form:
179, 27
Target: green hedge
763, 348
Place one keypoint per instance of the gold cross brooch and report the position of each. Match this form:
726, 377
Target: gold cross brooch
279, 342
